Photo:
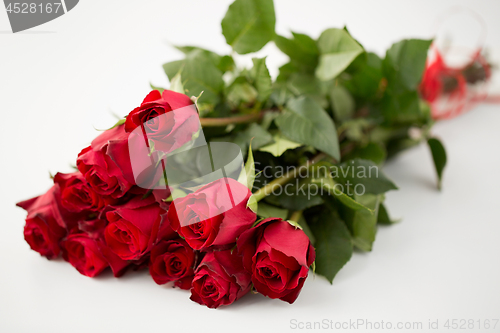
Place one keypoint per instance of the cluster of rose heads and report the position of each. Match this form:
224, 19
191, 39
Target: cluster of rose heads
98, 217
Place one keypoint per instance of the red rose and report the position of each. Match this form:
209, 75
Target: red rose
172, 260
162, 124
42, 234
155, 104
83, 253
106, 166
214, 215
220, 279
76, 194
45, 226
278, 255
134, 227
94, 229
90, 256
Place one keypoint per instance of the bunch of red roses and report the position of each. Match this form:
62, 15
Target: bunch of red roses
97, 217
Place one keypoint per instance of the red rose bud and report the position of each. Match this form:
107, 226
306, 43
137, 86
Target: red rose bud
106, 166
155, 104
91, 256
278, 255
76, 194
220, 279
83, 253
45, 226
160, 126
134, 227
172, 260
42, 233
214, 215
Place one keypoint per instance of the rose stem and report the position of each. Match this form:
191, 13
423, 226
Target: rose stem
296, 216
277, 182
244, 119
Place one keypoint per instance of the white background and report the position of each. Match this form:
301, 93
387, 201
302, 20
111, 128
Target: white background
60, 80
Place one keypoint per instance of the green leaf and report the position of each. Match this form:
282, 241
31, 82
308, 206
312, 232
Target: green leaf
297, 195
208, 54
295, 224
280, 145
372, 151
226, 64
223, 63
250, 168
261, 78
286, 71
308, 85
439, 157
404, 63
304, 121
120, 121
337, 50
326, 182
242, 93
176, 84
305, 227
266, 211
281, 94
364, 176
402, 108
247, 175
254, 131
383, 216
354, 129
172, 68
268, 119
362, 223
199, 74
333, 244
342, 102
302, 50
249, 25
304, 84
252, 204
156, 88
365, 82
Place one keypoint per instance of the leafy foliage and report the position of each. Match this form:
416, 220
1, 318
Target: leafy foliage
199, 74
337, 51
332, 242
304, 121
333, 102
249, 25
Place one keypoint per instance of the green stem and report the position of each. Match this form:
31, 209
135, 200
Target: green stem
243, 119
277, 182
296, 216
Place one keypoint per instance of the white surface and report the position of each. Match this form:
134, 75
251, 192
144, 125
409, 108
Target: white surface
60, 79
